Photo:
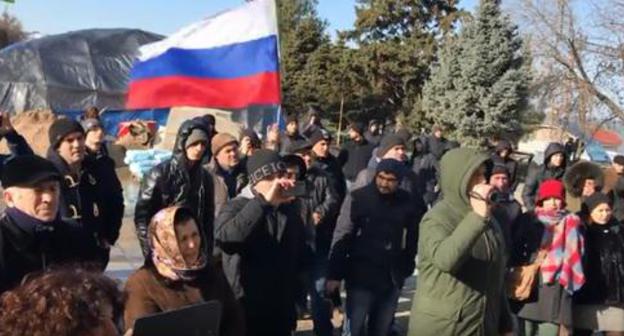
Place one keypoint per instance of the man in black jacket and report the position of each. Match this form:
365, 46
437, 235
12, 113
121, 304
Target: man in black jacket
182, 181
262, 238
82, 204
437, 143
355, 153
373, 249
553, 167
427, 169
505, 210
502, 156
290, 135
325, 161
32, 237
320, 209
104, 166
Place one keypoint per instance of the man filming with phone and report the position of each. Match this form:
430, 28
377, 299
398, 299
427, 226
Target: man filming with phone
261, 235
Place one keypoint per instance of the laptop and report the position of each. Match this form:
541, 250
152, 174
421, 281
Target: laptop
197, 320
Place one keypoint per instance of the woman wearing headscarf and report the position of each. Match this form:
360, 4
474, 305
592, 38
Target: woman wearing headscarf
599, 305
179, 274
549, 236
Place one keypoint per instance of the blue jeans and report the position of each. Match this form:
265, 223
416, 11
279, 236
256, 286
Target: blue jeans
321, 305
379, 307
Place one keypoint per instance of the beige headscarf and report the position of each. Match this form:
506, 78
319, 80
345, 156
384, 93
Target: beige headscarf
166, 254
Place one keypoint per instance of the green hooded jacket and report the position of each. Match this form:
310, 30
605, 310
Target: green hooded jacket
462, 262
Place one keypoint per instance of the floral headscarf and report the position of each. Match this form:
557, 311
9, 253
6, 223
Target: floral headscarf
166, 253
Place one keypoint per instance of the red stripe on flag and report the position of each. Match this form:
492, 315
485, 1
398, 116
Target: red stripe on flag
165, 92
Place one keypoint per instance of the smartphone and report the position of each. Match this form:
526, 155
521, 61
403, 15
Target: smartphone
300, 189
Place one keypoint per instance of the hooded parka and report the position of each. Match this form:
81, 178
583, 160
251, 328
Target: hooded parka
461, 261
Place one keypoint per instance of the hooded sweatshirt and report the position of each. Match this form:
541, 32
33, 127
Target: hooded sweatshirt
543, 172
461, 261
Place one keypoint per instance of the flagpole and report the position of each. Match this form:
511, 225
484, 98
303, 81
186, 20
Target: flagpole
340, 118
279, 58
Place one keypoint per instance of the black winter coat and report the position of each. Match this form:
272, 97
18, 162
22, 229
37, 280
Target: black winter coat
111, 191
536, 176
427, 169
262, 250
27, 250
376, 239
355, 156
83, 206
170, 183
437, 147
617, 197
332, 169
603, 265
322, 199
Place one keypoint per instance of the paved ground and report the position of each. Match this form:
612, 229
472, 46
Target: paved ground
126, 257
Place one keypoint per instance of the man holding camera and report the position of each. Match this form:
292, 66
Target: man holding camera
262, 238
373, 249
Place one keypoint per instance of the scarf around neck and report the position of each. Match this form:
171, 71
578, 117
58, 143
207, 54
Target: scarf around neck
564, 244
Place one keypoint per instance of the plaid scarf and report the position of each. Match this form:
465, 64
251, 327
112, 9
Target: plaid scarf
565, 245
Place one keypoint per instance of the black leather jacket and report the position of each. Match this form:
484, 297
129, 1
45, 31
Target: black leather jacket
170, 183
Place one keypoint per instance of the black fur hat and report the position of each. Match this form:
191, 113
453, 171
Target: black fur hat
575, 177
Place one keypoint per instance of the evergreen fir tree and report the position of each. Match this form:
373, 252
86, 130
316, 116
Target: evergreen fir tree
479, 88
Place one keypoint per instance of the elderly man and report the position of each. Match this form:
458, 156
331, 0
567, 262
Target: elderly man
32, 237
228, 174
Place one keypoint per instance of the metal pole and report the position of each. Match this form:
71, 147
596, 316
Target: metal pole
340, 118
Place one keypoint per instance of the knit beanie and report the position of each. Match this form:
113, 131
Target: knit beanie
61, 128
221, 140
593, 201
358, 127
264, 163
318, 136
197, 135
550, 189
388, 142
392, 166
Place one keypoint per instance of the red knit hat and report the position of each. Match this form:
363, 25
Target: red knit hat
550, 189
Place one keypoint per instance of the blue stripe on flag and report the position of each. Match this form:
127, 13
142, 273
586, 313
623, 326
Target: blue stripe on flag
231, 61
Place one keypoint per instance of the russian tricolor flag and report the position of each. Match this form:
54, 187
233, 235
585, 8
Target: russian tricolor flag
227, 61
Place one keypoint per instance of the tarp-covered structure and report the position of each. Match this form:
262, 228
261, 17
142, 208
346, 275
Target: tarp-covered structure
70, 71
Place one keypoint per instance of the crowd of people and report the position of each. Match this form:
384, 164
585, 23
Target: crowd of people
275, 230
